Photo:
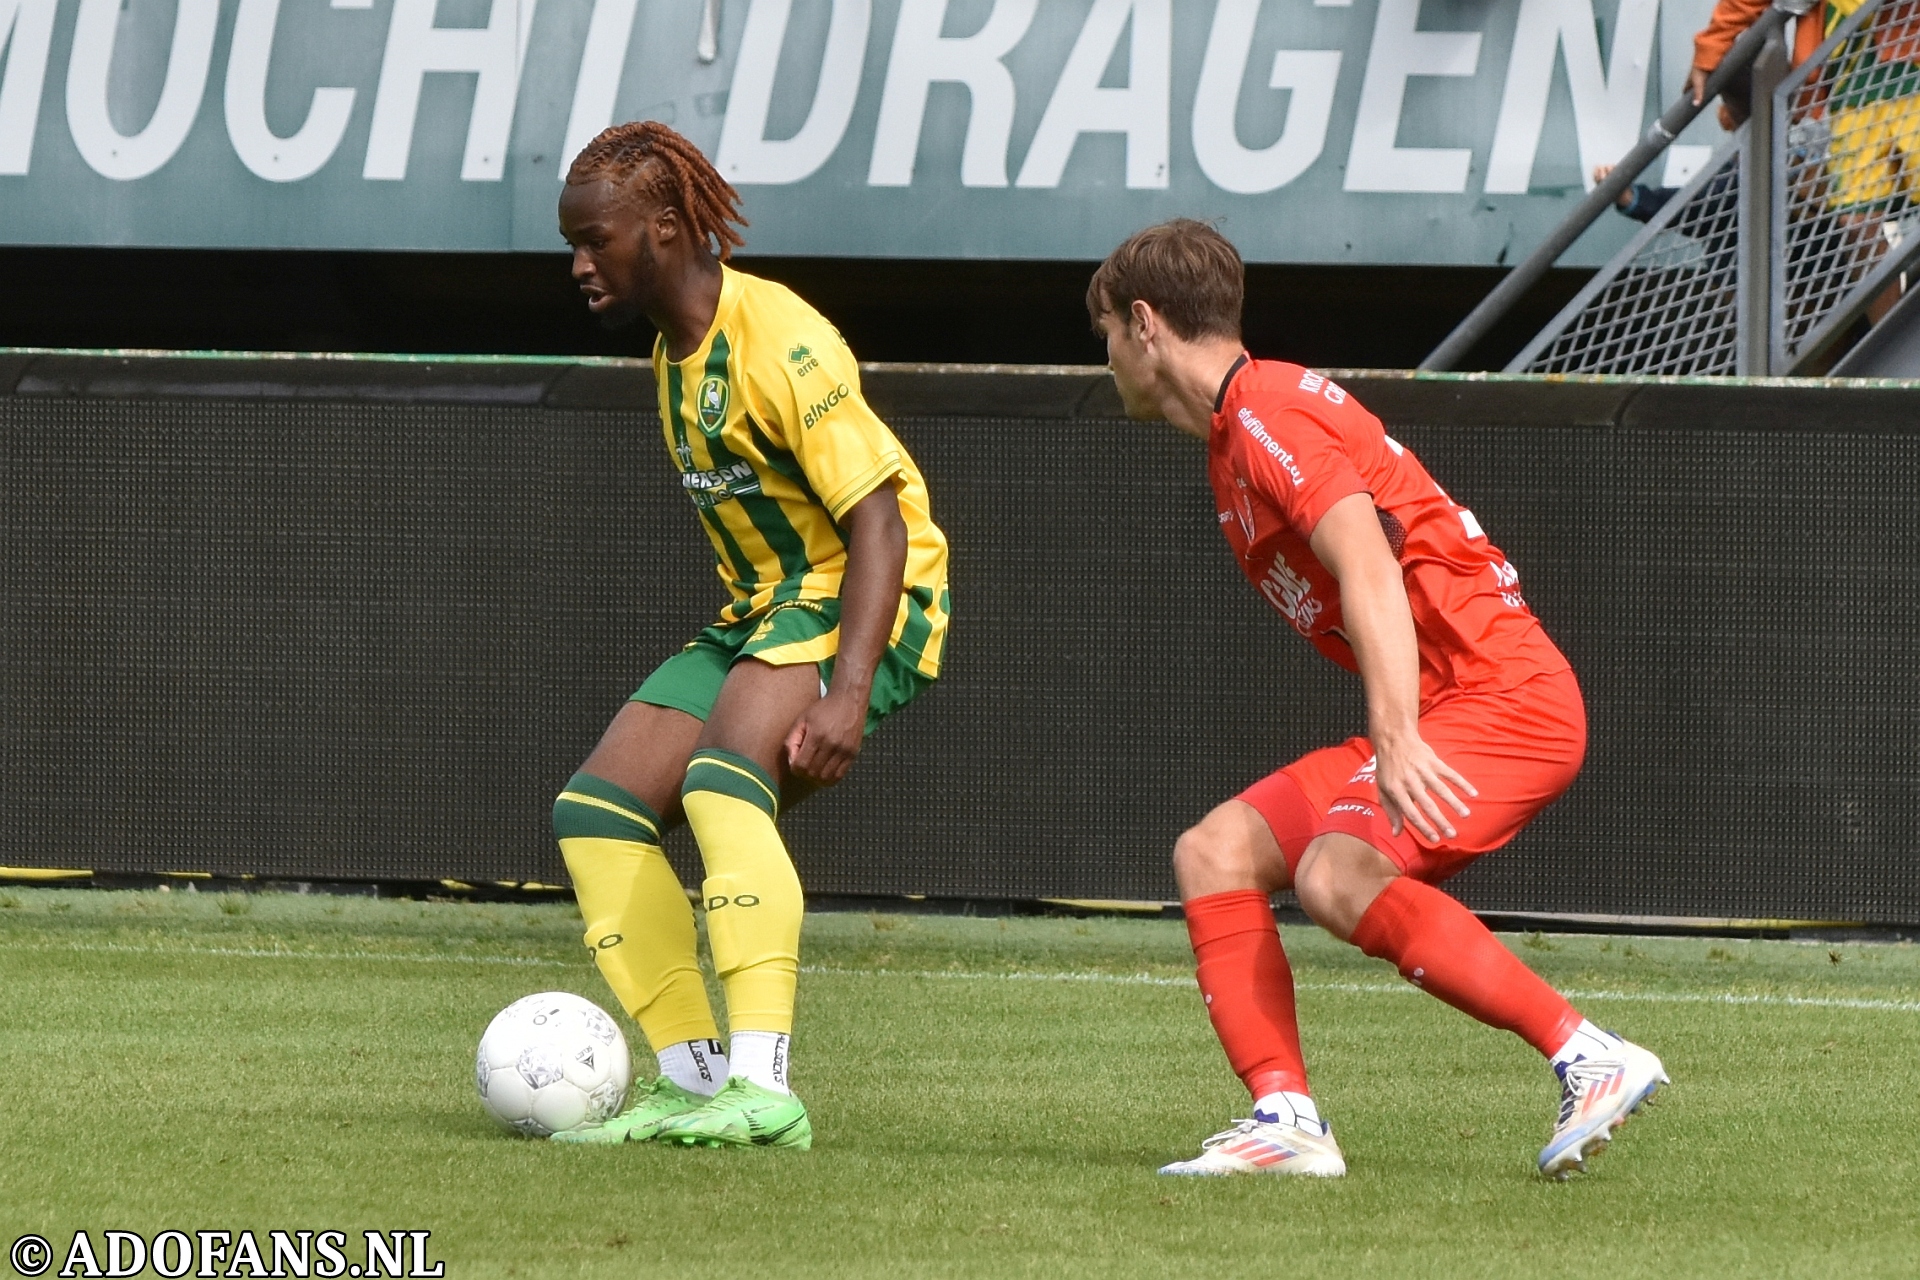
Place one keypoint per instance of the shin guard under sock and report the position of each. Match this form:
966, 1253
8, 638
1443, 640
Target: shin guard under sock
1442, 948
639, 922
754, 903
1248, 989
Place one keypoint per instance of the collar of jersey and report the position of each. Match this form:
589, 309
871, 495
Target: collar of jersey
731, 285
1220, 397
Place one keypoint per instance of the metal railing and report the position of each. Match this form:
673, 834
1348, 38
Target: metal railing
1772, 255
1670, 301
1847, 173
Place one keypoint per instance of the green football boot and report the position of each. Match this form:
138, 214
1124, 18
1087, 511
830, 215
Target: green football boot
660, 1101
743, 1114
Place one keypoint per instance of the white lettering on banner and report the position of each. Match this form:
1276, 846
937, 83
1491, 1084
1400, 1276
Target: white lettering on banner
1607, 106
26, 36
922, 57
271, 157
746, 154
609, 32
415, 48
1399, 51
1140, 111
109, 152
1309, 75
1258, 430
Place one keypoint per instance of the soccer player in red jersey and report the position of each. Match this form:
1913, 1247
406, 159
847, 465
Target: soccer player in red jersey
1474, 721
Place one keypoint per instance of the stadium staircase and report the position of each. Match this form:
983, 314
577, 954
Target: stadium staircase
1781, 251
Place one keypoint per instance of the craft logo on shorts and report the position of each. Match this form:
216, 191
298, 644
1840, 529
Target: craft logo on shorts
712, 403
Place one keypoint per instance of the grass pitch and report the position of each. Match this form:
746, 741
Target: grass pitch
990, 1097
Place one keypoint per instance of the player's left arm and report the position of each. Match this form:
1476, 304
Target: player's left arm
1348, 540
826, 738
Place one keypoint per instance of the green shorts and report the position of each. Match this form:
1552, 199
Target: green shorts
789, 634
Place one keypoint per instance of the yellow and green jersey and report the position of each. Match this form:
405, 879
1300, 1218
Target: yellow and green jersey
775, 443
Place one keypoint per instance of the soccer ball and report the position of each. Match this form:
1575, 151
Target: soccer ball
552, 1062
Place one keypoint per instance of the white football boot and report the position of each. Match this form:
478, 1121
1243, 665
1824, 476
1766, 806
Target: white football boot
1264, 1146
1597, 1095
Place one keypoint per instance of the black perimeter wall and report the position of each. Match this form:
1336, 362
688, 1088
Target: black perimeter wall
360, 619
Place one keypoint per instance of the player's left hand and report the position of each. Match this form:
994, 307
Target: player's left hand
1410, 776
827, 736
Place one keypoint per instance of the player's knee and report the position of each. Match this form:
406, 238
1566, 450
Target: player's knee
1316, 886
1337, 880
590, 807
1206, 856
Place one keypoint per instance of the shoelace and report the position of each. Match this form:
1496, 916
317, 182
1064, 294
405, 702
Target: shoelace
1243, 1127
1240, 1129
1580, 1076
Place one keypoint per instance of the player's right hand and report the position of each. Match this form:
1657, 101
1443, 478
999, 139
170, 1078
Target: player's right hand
1413, 781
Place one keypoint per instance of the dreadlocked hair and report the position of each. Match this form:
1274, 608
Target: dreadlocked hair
656, 164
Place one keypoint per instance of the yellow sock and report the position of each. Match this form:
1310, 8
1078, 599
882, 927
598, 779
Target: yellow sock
639, 922
754, 903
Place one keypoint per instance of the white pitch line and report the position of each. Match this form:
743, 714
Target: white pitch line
1396, 988
1107, 979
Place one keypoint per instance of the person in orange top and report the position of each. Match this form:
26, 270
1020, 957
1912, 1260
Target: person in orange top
1730, 19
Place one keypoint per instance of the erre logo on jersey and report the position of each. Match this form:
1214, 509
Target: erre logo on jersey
821, 408
710, 488
803, 358
1291, 594
1311, 382
711, 402
1258, 430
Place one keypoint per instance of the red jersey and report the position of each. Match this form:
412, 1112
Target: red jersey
1286, 445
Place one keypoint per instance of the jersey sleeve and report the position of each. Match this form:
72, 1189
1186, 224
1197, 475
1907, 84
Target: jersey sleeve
1300, 465
809, 390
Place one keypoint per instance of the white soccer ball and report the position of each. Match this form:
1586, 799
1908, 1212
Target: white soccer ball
552, 1062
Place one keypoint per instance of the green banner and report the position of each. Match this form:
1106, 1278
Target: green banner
1383, 131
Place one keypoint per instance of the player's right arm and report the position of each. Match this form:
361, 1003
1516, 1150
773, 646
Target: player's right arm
1412, 779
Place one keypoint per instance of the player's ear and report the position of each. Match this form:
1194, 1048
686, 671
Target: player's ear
665, 224
1142, 321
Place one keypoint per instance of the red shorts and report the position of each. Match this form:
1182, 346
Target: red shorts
1519, 747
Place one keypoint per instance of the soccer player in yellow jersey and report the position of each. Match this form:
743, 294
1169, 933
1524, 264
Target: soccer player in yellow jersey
824, 538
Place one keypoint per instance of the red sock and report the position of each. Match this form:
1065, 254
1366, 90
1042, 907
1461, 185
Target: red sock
1248, 988
1440, 947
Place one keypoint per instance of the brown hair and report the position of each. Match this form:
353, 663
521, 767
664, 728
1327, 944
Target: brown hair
1185, 270
667, 169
